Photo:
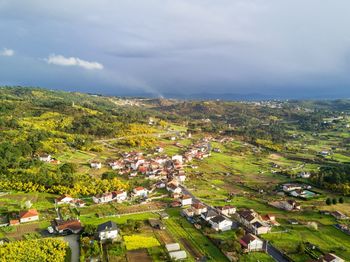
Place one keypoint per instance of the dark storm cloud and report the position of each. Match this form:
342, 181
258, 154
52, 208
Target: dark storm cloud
164, 46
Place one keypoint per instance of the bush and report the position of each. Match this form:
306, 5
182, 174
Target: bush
334, 201
341, 200
328, 201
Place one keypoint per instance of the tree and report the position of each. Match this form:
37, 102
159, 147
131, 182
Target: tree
334, 201
301, 248
341, 200
328, 201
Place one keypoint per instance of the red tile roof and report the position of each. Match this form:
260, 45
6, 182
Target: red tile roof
29, 213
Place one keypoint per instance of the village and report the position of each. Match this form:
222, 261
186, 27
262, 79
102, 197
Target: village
167, 195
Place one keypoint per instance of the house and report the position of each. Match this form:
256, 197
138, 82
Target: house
107, 231
171, 187
96, 165
330, 258
199, 208
209, 215
260, 228
159, 149
45, 158
181, 177
188, 212
28, 216
178, 255
177, 158
226, 210
305, 175
140, 191
251, 242
103, 198
135, 165
339, 215
247, 217
64, 199
270, 219
186, 200
221, 223
69, 226
78, 202
120, 195
160, 184
291, 187
290, 205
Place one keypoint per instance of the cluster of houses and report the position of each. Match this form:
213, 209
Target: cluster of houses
255, 222
298, 190
217, 218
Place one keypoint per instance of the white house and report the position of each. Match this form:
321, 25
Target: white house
45, 157
28, 216
140, 191
251, 243
120, 195
226, 210
199, 208
171, 187
305, 174
103, 198
186, 200
135, 165
220, 223
64, 199
96, 165
107, 231
178, 158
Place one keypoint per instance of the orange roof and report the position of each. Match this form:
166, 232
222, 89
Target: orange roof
29, 213
139, 188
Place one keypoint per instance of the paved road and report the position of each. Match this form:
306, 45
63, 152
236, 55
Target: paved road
275, 253
74, 246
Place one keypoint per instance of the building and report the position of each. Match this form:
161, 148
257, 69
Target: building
226, 210
260, 228
28, 216
220, 223
140, 191
103, 198
172, 247
188, 212
339, 215
171, 187
330, 258
107, 231
186, 200
69, 226
45, 157
96, 165
120, 195
178, 255
199, 208
251, 242
64, 199
209, 215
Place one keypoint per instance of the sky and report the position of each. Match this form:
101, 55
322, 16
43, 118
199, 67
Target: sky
287, 49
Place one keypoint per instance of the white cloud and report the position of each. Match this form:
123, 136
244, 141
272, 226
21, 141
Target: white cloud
7, 52
73, 61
